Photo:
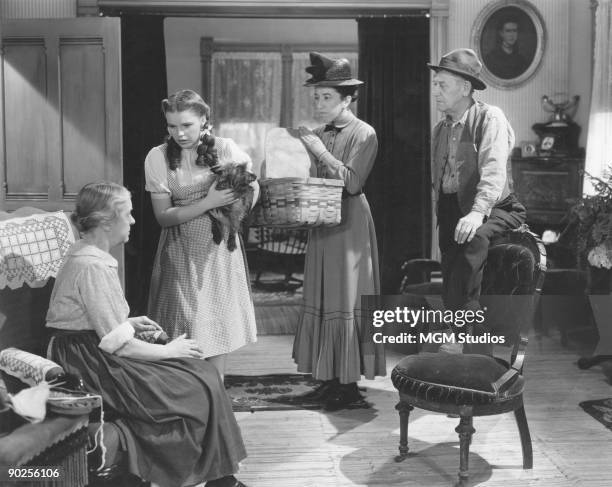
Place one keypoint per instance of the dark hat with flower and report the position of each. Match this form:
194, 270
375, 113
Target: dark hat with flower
329, 72
464, 63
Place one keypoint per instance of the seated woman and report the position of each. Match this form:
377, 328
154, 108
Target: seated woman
175, 417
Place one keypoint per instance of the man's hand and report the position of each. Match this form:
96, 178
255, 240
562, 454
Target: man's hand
312, 142
467, 226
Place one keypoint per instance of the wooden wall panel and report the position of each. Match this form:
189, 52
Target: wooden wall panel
82, 113
25, 109
61, 94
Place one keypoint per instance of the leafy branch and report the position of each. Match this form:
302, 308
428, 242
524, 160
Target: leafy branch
590, 218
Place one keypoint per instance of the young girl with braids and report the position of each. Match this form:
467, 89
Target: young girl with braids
197, 287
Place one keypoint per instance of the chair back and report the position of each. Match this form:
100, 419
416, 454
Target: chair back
512, 282
284, 241
516, 264
23, 308
513, 277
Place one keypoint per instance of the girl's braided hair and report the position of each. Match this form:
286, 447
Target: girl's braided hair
188, 100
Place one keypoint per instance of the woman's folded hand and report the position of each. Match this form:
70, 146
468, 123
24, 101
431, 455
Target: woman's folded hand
143, 323
182, 347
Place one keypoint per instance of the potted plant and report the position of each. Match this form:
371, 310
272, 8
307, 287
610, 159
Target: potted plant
589, 232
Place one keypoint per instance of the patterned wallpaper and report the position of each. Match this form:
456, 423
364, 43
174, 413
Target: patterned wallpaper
37, 9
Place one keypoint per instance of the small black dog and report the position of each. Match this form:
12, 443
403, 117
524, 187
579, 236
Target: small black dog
229, 175
237, 178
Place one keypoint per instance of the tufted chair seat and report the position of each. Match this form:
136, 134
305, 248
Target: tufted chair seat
456, 379
469, 385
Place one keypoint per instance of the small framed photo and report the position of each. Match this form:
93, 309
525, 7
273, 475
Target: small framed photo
509, 37
529, 149
548, 143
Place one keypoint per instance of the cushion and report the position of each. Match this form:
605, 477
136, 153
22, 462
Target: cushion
27, 367
452, 378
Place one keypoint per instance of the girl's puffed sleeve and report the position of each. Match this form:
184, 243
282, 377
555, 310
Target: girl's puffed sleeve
156, 173
229, 151
105, 306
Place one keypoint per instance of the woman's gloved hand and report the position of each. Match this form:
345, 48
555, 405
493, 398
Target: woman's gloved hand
312, 142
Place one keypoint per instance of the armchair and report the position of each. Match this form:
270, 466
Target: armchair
469, 385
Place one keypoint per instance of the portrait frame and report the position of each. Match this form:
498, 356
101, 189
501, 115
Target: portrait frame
550, 144
516, 69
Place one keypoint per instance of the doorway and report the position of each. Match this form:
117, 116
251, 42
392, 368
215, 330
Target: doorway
395, 102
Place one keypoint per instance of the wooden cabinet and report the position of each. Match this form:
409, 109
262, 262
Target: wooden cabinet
547, 186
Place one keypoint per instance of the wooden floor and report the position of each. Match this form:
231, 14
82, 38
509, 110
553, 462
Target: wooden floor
357, 447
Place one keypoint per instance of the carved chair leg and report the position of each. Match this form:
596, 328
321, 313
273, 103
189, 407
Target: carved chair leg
521, 422
465, 430
404, 411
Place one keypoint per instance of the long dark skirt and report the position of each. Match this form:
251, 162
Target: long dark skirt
175, 415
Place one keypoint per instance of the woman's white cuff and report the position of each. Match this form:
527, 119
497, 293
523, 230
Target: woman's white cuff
329, 159
115, 339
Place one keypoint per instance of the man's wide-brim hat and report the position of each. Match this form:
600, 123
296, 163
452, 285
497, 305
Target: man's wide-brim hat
329, 72
464, 63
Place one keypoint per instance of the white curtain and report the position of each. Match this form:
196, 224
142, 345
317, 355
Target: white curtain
599, 140
302, 95
246, 99
247, 96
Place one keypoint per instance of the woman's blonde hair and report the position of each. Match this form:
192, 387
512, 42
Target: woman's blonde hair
97, 203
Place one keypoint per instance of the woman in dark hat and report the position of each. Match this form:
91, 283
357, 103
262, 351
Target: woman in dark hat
341, 265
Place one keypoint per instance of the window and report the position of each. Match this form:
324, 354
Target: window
253, 88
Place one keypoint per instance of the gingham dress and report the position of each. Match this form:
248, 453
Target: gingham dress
198, 287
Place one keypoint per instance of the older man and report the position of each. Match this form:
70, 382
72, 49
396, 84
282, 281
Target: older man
470, 150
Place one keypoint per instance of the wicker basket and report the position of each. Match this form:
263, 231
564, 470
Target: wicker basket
299, 203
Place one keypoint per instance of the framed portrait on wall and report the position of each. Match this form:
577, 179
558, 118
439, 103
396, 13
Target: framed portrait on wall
510, 38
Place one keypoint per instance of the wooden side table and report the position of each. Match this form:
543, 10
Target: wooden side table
546, 186
57, 441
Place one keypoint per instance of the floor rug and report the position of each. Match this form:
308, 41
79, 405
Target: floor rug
600, 409
275, 392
